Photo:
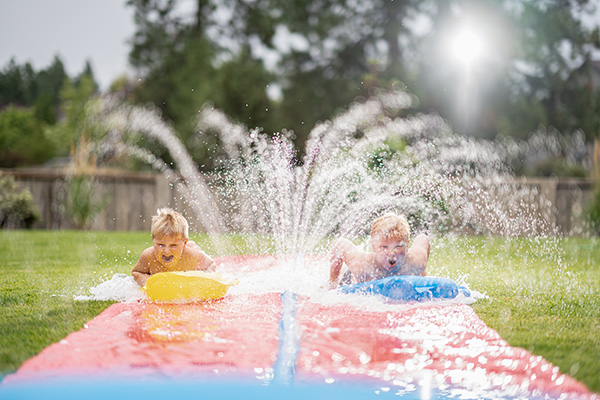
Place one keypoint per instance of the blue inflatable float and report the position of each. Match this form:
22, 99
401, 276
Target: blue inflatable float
408, 288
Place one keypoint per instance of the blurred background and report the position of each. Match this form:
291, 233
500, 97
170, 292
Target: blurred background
493, 69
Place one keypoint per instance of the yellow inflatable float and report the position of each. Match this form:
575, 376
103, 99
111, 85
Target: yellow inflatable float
188, 286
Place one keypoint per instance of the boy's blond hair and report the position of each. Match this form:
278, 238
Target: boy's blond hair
169, 222
391, 226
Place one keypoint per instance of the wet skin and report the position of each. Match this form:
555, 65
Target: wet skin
389, 253
169, 249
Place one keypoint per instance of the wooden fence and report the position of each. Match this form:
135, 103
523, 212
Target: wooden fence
132, 199
566, 202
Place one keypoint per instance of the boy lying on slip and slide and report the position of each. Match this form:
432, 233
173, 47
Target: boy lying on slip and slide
171, 249
390, 237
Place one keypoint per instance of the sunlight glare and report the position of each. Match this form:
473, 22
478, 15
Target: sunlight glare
467, 46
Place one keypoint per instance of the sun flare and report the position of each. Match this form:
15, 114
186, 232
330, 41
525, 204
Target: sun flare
467, 45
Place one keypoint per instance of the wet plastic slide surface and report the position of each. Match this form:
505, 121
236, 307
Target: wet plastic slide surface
154, 340
287, 345
441, 346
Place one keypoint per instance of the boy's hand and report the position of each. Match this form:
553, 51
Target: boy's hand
332, 285
329, 285
140, 278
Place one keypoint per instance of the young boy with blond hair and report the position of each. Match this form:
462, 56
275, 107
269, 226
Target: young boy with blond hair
390, 237
171, 248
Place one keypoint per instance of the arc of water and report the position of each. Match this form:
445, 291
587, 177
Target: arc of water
329, 141
301, 204
201, 200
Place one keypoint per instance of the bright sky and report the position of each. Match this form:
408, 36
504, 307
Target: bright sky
77, 30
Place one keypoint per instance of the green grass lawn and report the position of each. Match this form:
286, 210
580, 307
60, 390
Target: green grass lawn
543, 294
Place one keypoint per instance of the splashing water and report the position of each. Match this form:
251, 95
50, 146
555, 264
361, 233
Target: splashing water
120, 287
364, 162
374, 157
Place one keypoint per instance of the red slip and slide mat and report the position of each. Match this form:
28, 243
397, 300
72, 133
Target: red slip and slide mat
439, 348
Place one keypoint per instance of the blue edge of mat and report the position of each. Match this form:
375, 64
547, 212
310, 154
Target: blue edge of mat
119, 389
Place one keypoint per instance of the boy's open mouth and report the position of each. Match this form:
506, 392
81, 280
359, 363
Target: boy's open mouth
167, 258
394, 263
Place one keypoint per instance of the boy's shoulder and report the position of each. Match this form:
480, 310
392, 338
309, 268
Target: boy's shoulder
344, 246
149, 251
194, 251
147, 262
148, 254
195, 258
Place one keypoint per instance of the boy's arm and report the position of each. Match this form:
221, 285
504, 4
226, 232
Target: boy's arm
339, 254
417, 256
141, 270
334, 273
209, 264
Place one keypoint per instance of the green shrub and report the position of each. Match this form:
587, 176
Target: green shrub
17, 208
84, 198
84, 201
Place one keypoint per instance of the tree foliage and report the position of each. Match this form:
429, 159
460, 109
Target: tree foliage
22, 140
288, 64
330, 52
74, 97
185, 68
21, 85
41, 113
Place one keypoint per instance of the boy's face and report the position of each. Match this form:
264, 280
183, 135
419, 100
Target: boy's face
389, 252
169, 248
